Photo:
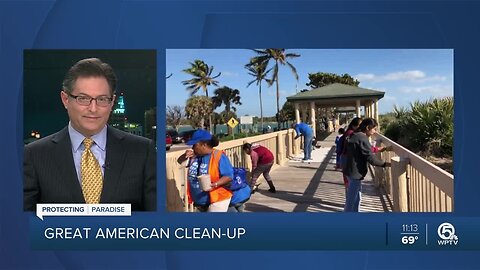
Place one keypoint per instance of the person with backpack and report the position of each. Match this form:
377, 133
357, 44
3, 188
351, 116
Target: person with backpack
205, 160
262, 162
358, 154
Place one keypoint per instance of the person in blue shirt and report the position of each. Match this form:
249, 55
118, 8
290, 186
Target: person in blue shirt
306, 131
218, 198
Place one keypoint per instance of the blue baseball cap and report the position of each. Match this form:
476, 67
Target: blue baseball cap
199, 136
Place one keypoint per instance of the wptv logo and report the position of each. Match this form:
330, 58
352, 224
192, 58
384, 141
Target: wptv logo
446, 232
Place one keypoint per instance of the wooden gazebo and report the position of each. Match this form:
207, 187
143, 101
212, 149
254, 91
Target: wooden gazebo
334, 96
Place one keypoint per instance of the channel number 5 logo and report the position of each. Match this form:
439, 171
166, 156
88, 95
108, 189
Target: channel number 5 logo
446, 231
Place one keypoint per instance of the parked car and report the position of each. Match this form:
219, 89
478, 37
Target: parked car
174, 134
186, 135
168, 142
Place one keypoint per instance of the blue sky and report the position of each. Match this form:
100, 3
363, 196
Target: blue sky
405, 75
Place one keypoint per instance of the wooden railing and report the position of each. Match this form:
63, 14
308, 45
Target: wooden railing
415, 184
281, 143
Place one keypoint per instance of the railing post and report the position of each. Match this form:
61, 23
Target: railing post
289, 144
280, 149
173, 188
399, 184
379, 177
294, 145
186, 206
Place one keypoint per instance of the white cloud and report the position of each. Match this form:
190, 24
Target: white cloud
435, 90
432, 79
409, 75
362, 77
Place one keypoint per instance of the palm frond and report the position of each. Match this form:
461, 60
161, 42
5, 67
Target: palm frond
294, 70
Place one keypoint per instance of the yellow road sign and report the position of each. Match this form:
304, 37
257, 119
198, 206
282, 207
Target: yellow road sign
232, 122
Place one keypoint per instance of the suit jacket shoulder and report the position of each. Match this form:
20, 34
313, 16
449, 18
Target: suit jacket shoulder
49, 174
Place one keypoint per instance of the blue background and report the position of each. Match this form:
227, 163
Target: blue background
242, 24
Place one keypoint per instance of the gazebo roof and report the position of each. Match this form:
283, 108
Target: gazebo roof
336, 91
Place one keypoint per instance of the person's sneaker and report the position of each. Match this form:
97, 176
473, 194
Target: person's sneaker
272, 190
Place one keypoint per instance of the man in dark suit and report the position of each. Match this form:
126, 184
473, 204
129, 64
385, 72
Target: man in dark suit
88, 161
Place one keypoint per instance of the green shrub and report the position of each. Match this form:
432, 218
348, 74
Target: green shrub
425, 127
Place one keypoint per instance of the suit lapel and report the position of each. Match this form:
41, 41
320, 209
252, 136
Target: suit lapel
62, 153
114, 160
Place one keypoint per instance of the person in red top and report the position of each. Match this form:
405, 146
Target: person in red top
262, 162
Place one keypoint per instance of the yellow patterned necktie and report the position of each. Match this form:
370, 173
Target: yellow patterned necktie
92, 180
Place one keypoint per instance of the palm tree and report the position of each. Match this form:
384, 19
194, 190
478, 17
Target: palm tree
196, 109
259, 72
280, 57
229, 97
202, 77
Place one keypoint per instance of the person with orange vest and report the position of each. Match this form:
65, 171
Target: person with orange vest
204, 159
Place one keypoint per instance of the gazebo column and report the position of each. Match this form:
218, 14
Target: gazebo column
304, 113
375, 106
297, 112
370, 110
357, 108
312, 118
337, 120
367, 109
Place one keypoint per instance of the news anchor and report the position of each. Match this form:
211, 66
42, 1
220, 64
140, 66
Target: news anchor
89, 161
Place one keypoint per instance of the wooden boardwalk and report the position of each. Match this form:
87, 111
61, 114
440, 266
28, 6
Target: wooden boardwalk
313, 187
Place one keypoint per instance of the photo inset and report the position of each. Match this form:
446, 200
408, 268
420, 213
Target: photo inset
309, 130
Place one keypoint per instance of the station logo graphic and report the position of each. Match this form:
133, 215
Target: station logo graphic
446, 232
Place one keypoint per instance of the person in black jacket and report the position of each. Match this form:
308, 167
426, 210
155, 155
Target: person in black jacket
359, 152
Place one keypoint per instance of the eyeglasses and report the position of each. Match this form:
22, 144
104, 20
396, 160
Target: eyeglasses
102, 101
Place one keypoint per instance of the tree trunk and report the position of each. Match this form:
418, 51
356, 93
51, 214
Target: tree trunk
210, 127
202, 122
278, 103
261, 106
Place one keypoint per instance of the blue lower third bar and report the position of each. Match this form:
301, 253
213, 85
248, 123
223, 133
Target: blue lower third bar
254, 232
